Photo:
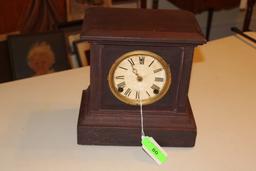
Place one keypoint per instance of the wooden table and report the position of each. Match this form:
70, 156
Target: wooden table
38, 119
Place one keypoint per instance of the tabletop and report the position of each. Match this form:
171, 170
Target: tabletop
38, 119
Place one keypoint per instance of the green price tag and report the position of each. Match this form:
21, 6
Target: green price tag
153, 149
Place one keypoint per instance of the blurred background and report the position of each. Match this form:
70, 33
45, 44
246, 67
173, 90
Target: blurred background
43, 36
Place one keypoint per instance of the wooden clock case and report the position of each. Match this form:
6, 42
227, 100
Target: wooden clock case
103, 119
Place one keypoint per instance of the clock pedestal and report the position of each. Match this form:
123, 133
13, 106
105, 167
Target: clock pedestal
105, 128
113, 32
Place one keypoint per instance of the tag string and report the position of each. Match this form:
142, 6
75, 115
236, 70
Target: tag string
141, 118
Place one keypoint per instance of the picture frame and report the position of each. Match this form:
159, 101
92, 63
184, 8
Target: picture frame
5, 66
71, 38
82, 51
37, 54
71, 30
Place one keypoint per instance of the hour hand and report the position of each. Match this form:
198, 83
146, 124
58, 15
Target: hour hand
135, 71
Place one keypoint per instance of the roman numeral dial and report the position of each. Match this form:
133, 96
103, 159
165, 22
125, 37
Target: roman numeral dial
139, 76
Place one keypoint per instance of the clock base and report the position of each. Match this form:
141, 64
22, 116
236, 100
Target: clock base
114, 127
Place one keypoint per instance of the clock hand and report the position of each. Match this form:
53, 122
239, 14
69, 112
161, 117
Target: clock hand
135, 71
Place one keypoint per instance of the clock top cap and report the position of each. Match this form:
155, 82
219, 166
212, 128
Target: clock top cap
141, 25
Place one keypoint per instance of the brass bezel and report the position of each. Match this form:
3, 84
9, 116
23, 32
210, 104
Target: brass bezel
145, 101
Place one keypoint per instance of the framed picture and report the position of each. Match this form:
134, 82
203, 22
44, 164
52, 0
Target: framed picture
5, 65
37, 54
75, 37
70, 38
71, 30
82, 50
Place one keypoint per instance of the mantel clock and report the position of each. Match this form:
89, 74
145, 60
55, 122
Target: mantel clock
138, 57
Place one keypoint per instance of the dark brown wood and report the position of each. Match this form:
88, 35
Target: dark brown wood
103, 119
117, 24
179, 59
122, 127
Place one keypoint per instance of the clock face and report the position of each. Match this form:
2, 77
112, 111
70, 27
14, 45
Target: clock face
139, 76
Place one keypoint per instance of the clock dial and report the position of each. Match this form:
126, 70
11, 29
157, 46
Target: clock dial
139, 75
